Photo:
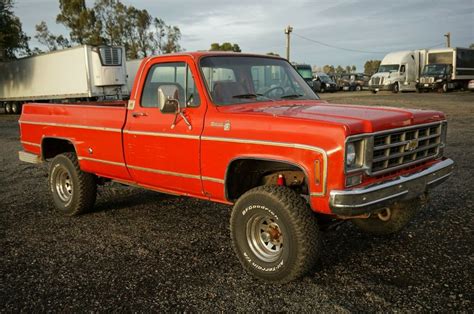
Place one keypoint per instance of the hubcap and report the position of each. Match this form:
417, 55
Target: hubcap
63, 184
385, 214
264, 238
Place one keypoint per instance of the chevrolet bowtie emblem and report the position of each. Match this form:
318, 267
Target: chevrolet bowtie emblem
411, 145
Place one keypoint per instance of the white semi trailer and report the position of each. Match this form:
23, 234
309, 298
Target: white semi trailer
132, 68
80, 73
399, 71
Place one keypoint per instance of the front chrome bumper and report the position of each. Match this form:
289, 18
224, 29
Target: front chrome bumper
370, 198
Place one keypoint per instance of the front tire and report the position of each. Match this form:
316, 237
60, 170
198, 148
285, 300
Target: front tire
358, 88
396, 88
444, 88
274, 234
390, 220
73, 191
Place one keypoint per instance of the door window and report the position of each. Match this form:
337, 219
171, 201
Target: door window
402, 68
176, 73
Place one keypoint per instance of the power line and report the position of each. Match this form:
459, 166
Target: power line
336, 47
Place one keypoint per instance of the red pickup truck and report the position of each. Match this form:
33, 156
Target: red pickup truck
245, 130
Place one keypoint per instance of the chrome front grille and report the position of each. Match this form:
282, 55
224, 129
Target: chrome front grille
426, 80
397, 149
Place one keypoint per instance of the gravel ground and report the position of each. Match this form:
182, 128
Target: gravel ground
142, 251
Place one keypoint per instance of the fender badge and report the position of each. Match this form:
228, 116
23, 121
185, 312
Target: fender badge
225, 125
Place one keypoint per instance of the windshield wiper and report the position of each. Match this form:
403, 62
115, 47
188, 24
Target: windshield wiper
291, 96
251, 96
246, 96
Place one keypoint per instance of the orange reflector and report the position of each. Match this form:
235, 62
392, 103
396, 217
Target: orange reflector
317, 172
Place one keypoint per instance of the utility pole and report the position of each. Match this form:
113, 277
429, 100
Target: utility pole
448, 39
288, 30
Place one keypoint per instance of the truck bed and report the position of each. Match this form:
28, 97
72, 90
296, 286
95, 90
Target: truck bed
40, 122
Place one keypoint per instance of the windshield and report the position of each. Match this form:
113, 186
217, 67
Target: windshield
241, 79
325, 79
388, 68
305, 73
434, 69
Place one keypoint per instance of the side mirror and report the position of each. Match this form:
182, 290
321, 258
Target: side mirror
168, 96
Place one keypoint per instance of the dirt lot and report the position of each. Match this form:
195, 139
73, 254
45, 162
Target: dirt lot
145, 251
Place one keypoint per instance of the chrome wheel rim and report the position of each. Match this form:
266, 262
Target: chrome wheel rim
63, 184
265, 238
385, 214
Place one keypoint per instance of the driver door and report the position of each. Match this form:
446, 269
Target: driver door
158, 154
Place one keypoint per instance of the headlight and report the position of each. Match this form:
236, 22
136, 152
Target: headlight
355, 154
350, 155
439, 80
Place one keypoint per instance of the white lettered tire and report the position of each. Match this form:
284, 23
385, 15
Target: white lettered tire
274, 234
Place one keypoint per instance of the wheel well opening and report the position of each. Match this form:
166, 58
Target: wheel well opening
245, 174
51, 147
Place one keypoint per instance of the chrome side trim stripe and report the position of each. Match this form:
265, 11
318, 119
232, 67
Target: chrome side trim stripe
221, 181
164, 172
76, 126
170, 173
102, 161
162, 134
30, 143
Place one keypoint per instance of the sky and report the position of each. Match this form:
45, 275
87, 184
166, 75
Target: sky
372, 27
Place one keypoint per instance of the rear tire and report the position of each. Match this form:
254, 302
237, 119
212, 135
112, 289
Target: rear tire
358, 88
73, 191
16, 108
390, 220
8, 108
274, 234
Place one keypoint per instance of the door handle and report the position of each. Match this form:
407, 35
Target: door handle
139, 114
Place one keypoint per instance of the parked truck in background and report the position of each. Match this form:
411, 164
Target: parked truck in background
353, 81
447, 69
245, 130
75, 74
398, 71
306, 73
324, 83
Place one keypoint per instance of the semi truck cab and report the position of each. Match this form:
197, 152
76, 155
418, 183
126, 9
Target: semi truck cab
436, 77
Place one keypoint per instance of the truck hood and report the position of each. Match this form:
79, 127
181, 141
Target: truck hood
356, 119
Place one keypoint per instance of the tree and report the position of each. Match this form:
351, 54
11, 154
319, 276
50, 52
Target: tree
12, 38
225, 47
471, 46
339, 70
52, 42
371, 66
353, 69
110, 22
81, 22
348, 69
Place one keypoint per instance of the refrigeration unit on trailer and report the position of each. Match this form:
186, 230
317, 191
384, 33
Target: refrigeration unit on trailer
447, 69
398, 71
75, 74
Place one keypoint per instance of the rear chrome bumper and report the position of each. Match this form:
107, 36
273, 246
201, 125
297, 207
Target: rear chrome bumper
29, 157
365, 200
